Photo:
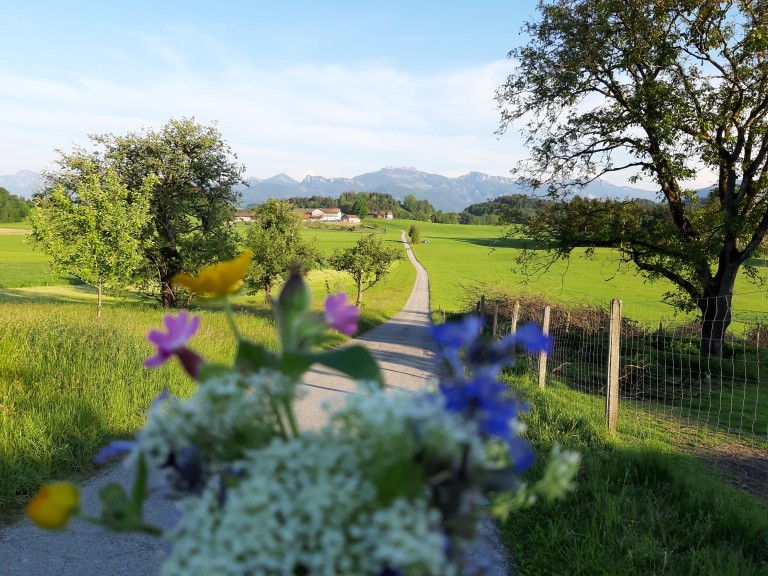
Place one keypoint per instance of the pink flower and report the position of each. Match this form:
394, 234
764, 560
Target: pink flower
180, 329
340, 315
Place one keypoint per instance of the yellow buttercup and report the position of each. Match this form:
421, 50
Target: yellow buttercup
53, 505
217, 280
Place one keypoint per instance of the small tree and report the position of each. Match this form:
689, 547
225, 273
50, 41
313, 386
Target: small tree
191, 203
275, 238
360, 207
368, 261
95, 233
414, 233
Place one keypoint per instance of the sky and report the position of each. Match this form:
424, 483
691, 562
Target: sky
333, 89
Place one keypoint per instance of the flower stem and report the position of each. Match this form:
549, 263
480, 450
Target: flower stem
291, 417
231, 319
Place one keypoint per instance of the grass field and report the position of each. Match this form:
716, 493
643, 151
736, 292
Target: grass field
640, 506
460, 258
20, 265
69, 384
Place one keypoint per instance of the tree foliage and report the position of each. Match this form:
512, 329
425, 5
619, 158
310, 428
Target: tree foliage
94, 234
12, 207
369, 261
414, 234
664, 89
191, 202
274, 235
360, 207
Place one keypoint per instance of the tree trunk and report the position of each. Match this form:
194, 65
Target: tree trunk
715, 310
167, 296
267, 294
359, 292
98, 303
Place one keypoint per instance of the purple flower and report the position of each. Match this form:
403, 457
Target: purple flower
340, 315
180, 329
455, 335
116, 448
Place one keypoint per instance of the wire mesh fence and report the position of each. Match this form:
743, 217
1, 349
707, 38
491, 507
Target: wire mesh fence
674, 377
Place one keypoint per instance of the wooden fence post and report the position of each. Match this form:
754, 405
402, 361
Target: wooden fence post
543, 353
495, 318
482, 306
612, 390
515, 315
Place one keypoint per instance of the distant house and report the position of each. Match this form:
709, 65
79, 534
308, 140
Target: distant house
320, 214
387, 215
244, 216
351, 218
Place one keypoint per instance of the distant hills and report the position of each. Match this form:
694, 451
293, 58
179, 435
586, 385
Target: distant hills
24, 183
444, 193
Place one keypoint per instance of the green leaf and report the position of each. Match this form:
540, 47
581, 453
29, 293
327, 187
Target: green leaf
354, 361
294, 365
254, 357
212, 371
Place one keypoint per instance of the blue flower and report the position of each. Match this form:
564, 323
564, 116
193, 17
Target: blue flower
116, 448
456, 335
532, 339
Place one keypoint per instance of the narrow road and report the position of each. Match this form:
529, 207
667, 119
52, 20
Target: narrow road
402, 347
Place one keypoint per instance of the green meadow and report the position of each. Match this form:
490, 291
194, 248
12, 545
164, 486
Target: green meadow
462, 259
69, 384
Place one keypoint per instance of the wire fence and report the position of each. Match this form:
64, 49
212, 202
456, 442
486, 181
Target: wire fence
662, 374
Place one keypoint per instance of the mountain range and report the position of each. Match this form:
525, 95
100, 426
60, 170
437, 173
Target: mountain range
444, 193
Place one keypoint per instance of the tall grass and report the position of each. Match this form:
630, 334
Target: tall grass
640, 507
68, 384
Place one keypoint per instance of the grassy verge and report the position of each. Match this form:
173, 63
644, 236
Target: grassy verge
69, 384
640, 506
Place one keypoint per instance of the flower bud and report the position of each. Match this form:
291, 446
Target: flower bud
295, 296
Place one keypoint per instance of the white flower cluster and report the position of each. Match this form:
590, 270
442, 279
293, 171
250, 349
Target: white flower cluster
305, 507
413, 419
226, 415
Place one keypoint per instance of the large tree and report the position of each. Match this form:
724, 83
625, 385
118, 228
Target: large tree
368, 261
94, 234
275, 236
191, 202
664, 89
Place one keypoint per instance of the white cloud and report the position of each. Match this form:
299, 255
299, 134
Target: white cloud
340, 120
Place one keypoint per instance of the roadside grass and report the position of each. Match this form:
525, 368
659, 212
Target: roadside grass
640, 506
69, 383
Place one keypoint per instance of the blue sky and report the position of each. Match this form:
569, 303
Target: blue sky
323, 88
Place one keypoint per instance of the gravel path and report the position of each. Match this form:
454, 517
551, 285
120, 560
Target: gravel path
402, 347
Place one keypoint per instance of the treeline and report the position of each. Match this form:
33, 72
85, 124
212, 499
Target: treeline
516, 208
411, 208
12, 208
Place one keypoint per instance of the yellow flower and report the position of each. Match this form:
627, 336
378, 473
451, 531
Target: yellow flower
53, 505
219, 279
